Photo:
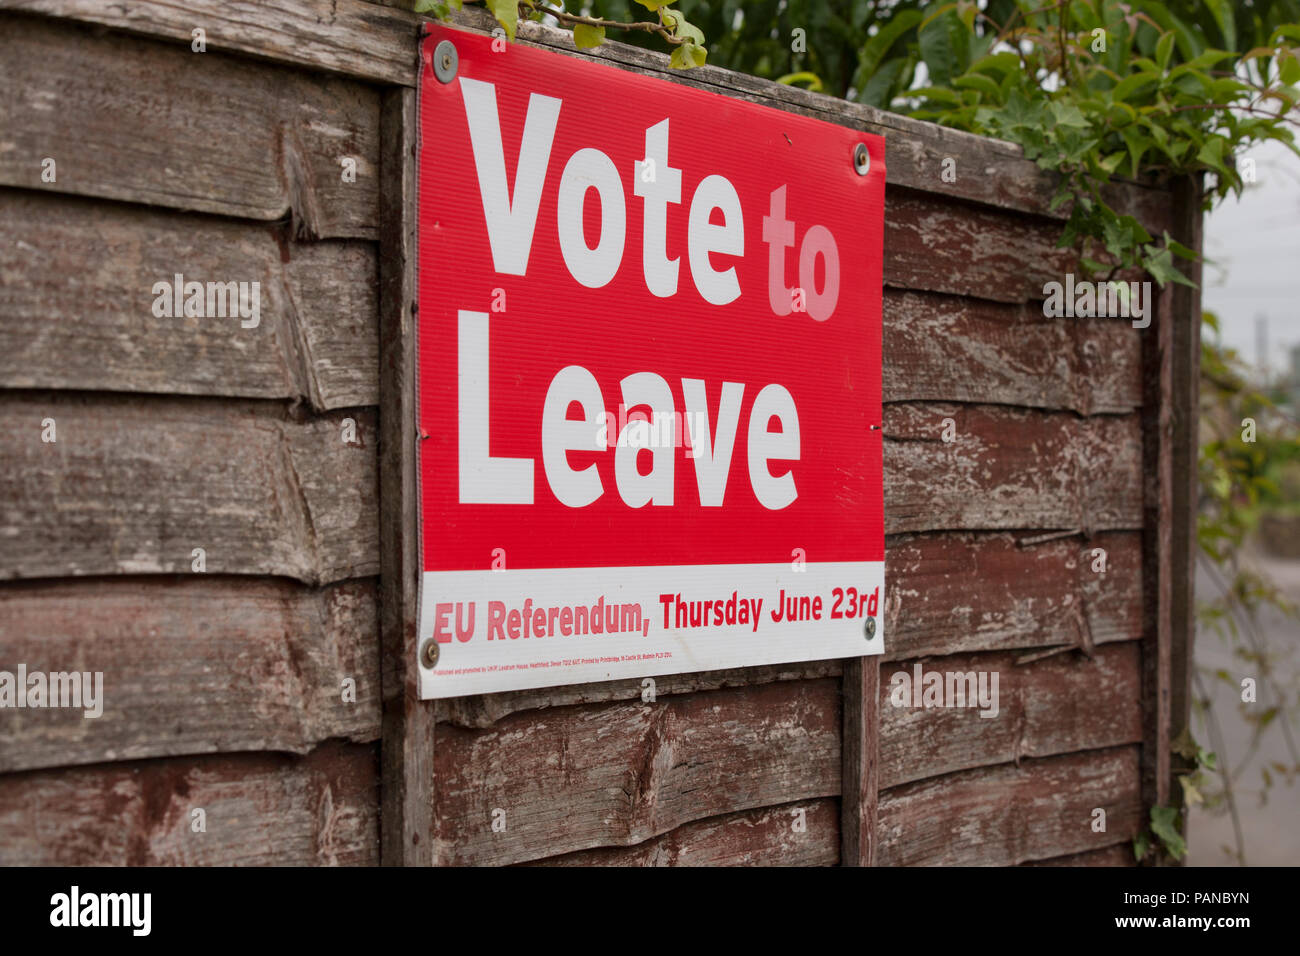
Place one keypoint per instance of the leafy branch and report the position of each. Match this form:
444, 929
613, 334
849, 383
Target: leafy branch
685, 39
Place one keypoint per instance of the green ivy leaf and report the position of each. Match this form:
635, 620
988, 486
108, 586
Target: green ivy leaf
944, 43
1181, 251
1221, 10
1191, 795
586, 36
507, 14
1164, 51
980, 83
1068, 115
1126, 87
876, 91
674, 20
1164, 824
1141, 845
1289, 68
687, 55
1159, 262
874, 50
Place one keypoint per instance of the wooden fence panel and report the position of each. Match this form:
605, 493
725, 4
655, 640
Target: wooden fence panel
134, 120
259, 810
76, 306
1012, 814
202, 664
132, 486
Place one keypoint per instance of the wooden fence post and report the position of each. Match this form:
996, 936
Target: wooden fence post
406, 806
859, 785
1170, 418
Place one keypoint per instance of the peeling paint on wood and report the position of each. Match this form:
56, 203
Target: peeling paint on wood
580, 777
260, 810
351, 37
958, 593
1009, 815
1051, 706
1010, 468
947, 348
625, 773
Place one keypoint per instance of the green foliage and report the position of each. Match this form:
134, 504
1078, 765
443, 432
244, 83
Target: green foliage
1164, 828
585, 35
1164, 824
684, 38
1095, 90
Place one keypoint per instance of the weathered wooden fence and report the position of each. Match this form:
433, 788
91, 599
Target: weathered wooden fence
223, 688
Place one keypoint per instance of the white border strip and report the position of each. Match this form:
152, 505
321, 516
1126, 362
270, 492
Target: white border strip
490, 659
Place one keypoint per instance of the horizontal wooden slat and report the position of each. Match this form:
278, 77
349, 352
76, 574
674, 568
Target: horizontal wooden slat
260, 810
191, 665
765, 837
377, 43
132, 486
956, 593
146, 122
949, 348
484, 710
351, 37
936, 245
580, 777
1052, 706
1121, 854
1010, 468
76, 305
946, 593
1011, 814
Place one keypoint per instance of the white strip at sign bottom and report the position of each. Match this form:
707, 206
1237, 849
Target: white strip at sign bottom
516, 629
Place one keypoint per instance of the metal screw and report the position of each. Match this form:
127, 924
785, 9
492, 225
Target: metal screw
444, 61
429, 653
861, 159
870, 628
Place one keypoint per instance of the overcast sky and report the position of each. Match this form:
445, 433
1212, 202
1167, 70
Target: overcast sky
1253, 244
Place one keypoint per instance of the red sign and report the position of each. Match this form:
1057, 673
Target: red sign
649, 375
